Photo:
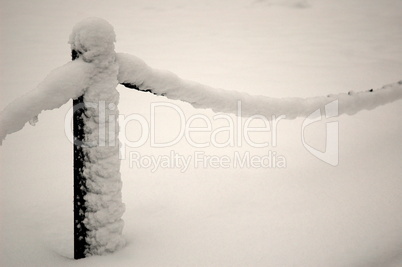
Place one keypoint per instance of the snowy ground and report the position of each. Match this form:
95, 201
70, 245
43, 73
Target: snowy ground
307, 214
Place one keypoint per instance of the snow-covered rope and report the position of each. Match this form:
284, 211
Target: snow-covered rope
134, 73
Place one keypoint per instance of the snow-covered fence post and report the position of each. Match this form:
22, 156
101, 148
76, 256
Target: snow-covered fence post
97, 185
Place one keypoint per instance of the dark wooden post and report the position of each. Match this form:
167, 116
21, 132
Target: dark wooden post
80, 188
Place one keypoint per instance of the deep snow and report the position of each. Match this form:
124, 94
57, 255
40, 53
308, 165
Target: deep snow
307, 214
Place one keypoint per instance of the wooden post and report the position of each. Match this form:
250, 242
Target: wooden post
80, 189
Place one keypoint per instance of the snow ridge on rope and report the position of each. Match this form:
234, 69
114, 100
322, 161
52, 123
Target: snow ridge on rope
135, 74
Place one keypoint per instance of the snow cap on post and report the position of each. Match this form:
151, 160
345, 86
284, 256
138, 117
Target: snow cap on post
93, 39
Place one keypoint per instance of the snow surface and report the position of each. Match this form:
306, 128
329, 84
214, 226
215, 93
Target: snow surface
307, 214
